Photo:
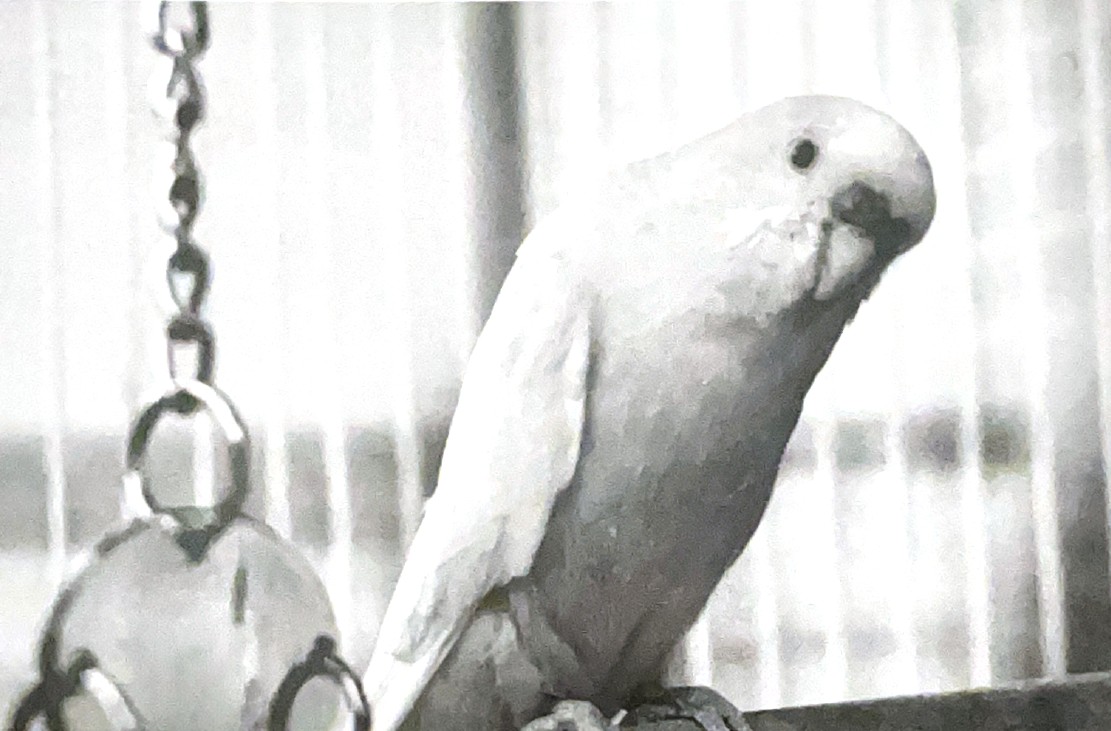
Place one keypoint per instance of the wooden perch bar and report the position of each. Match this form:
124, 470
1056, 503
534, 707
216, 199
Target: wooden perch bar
1079, 703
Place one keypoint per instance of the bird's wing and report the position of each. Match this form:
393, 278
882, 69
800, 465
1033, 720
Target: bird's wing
512, 447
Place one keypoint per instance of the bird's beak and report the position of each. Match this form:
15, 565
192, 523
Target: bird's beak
861, 206
873, 219
893, 208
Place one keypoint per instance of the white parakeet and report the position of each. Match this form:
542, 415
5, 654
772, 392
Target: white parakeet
626, 407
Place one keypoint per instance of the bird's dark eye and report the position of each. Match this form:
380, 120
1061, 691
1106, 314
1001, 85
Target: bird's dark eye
803, 154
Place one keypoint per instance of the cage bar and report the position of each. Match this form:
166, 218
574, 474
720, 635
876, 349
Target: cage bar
1094, 21
464, 218
389, 235
331, 413
896, 475
768, 662
1023, 136
559, 46
977, 581
116, 139
275, 456
973, 526
116, 122
116, 89
51, 298
892, 58
832, 620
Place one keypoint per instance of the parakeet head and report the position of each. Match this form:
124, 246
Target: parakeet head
861, 162
843, 188
793, 207
866, 173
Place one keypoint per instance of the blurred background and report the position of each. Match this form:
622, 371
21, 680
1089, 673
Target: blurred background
941, 520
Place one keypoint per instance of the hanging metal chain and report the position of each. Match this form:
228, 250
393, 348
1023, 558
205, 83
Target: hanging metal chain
181, 38
180, 102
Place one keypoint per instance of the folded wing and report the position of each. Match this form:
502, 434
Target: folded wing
513, 446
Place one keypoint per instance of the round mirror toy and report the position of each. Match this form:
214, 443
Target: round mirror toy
196, 615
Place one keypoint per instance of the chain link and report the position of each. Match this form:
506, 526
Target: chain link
190, 41
179, 102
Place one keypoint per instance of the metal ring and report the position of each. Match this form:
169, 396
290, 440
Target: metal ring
187, 328
229, 423
322, 661
46, 698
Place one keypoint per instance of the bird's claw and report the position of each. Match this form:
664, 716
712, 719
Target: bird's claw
685, 709
572, 716
671, 709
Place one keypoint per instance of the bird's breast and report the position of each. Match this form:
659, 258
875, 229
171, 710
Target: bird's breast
678, 457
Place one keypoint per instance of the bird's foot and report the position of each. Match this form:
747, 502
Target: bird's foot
572, 716
684, 709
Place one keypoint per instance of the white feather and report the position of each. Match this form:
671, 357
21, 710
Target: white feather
513, 446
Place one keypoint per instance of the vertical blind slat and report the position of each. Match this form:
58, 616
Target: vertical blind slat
118, 135
832, 620
972, 496
887, 58
331, 413
768, 658
1051, 614
51, 302
275, 457
387, 210
1095, 22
